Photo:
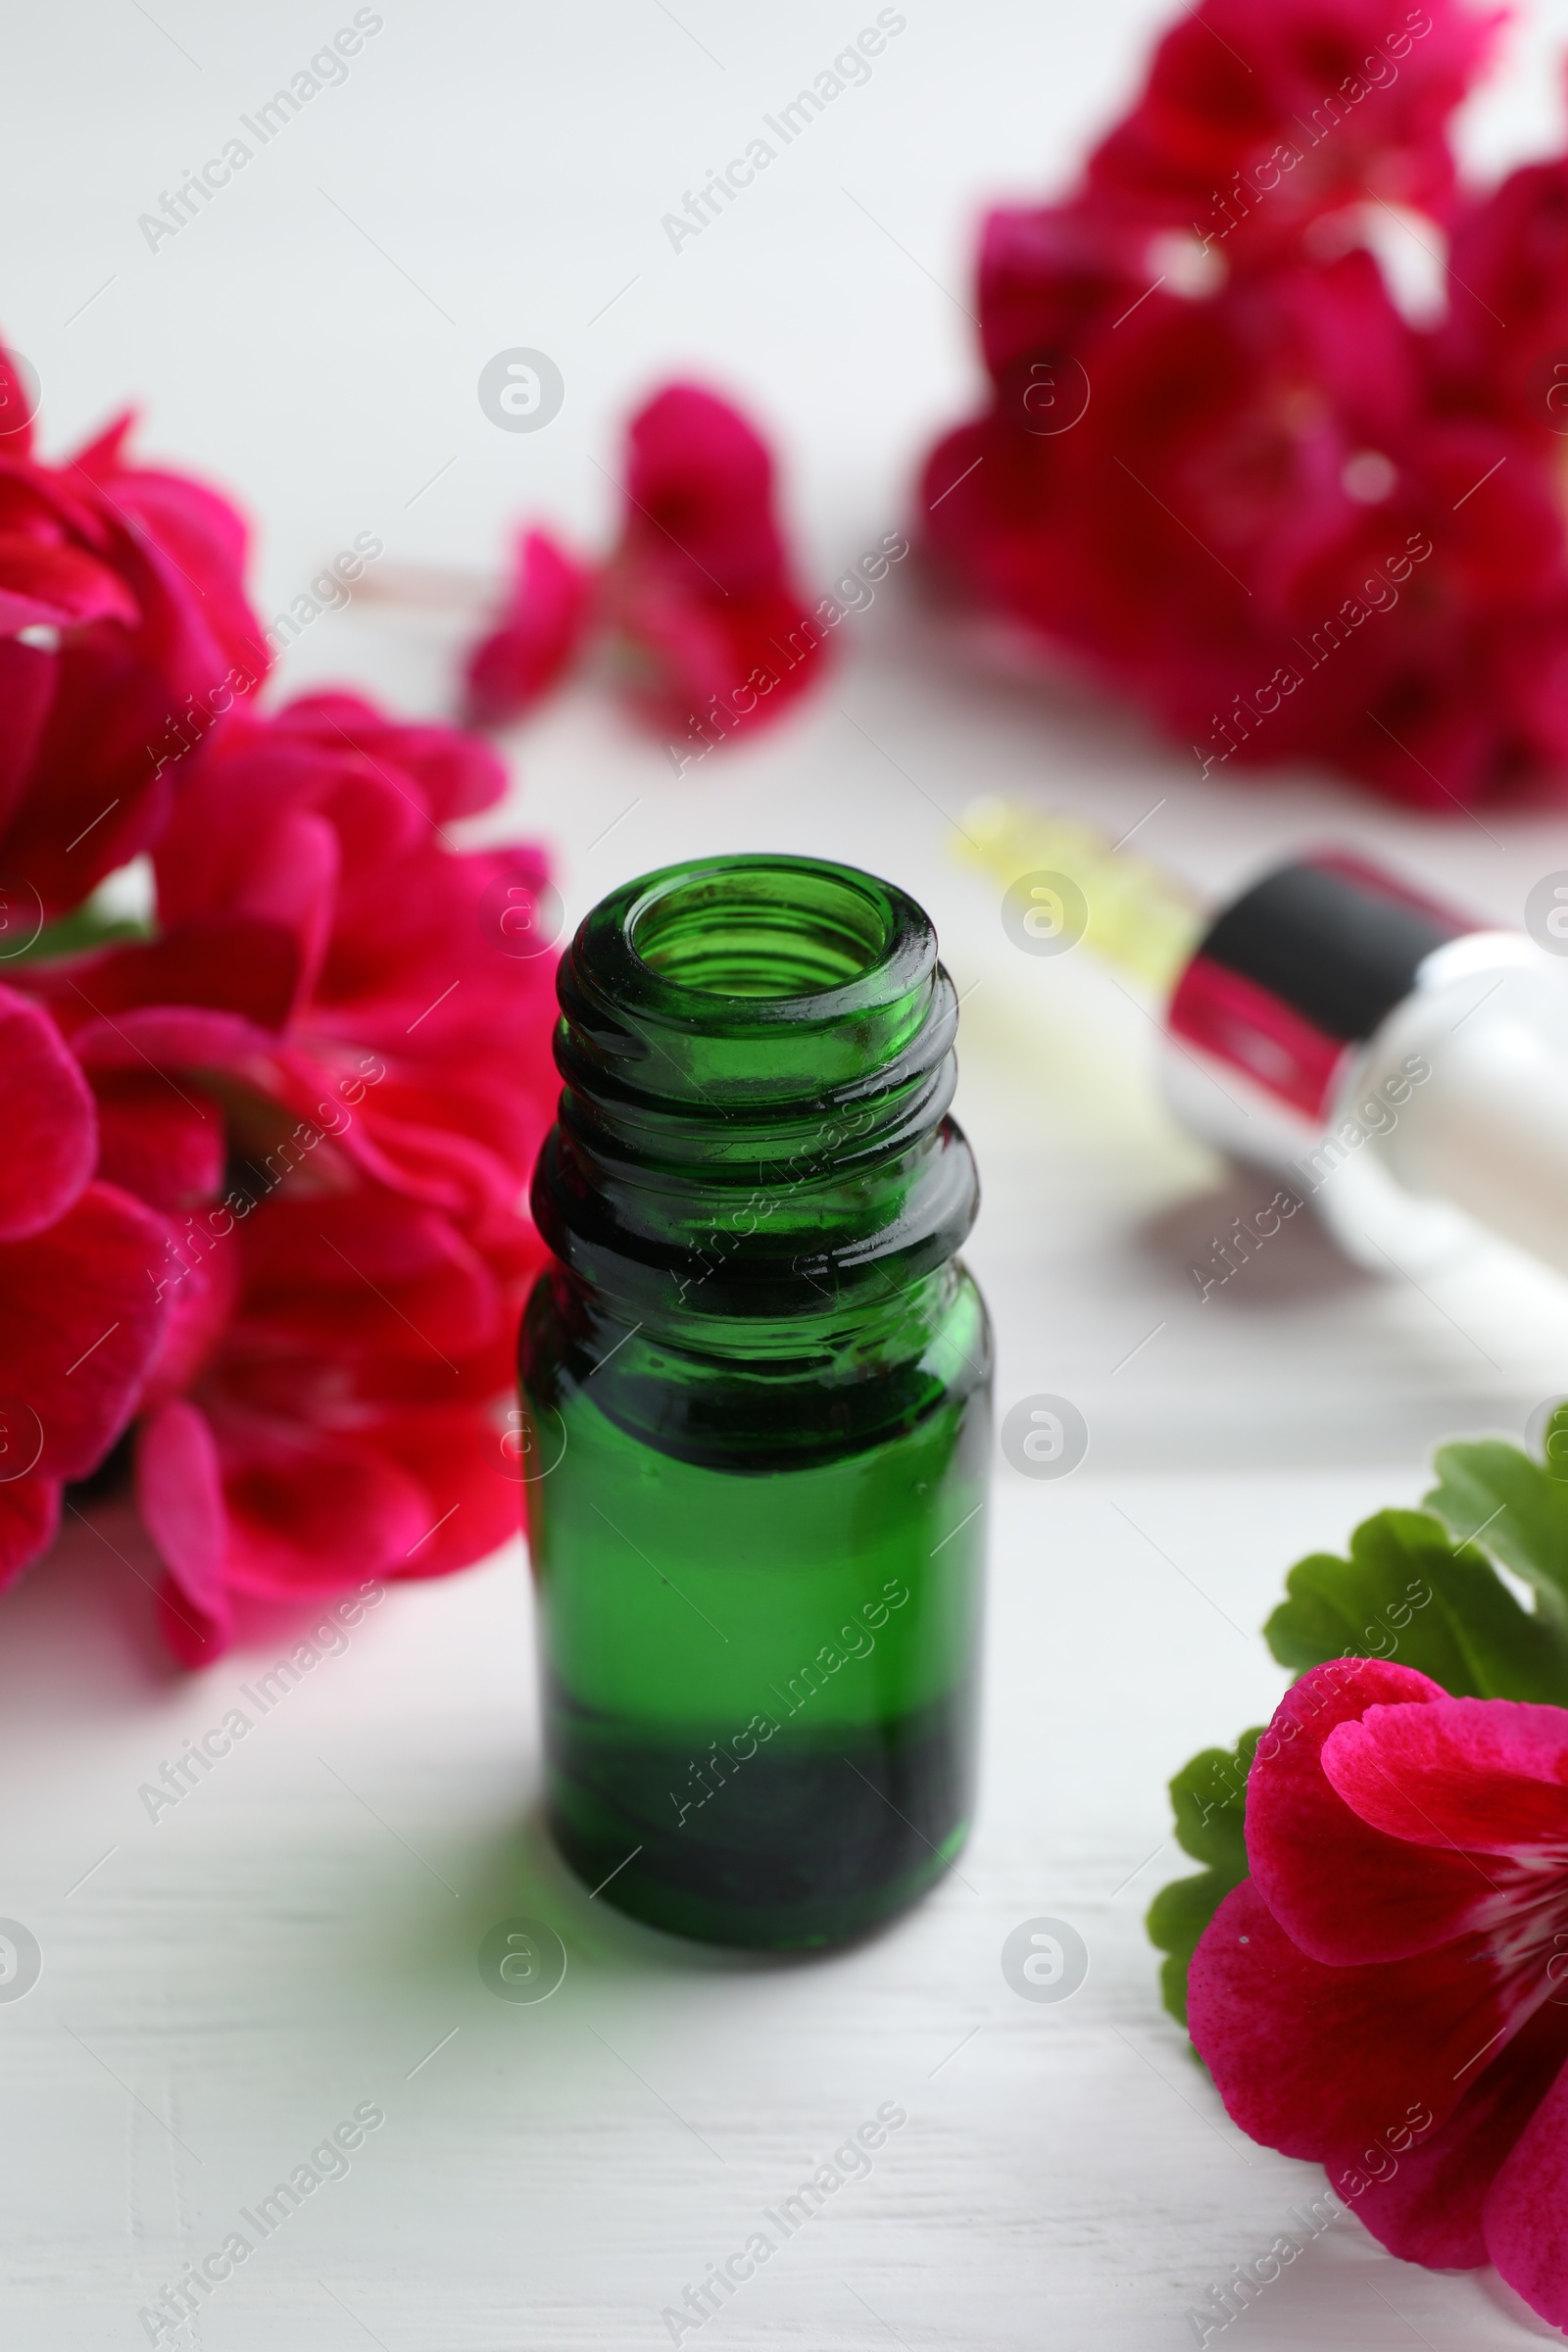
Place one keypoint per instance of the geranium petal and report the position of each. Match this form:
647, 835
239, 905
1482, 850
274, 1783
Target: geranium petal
309, 1515
56, 585
51, 1125
1484, 1774
1345, 1891
166, 1147
536, 637
231, 963
28, 675
1526, 2214
168, 1036
179, 1493
374, 1275
1424, 2196
80, 1321
475, 1508
1319, 2061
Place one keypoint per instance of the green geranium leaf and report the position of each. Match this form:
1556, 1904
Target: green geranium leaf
1494, 1495
75, 933
1410, 1594
1208, 1798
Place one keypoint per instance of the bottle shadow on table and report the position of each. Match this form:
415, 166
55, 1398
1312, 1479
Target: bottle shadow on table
1237, 1248
522, 1871
475, 1924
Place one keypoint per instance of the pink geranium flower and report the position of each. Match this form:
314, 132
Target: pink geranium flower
1386, 1992
329, 1072
707, 632
1264, 527
1225, 473
79, 1321
124, 635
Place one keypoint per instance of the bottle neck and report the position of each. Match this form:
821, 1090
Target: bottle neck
758, 1058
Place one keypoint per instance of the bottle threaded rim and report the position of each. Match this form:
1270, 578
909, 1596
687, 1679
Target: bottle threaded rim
758, 1058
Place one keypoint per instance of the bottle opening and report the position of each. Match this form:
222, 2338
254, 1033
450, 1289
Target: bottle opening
760, 930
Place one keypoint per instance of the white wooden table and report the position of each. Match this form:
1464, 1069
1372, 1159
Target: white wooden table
297, 1939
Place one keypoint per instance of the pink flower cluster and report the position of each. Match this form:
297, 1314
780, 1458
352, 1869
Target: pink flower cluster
262, 1212
1225, 472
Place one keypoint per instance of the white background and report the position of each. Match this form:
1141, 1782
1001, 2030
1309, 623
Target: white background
231, 1982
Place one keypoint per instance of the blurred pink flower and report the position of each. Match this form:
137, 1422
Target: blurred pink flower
124, 635
707, 632
1224, 472
329, 1071
535, 639
80, 1322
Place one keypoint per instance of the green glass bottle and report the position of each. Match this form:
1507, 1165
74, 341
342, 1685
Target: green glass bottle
755, 1391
